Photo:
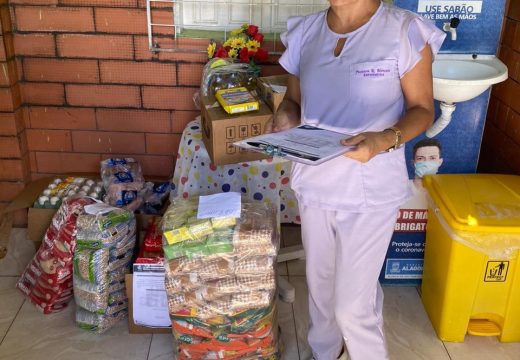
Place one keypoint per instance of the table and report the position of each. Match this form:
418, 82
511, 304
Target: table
262, 180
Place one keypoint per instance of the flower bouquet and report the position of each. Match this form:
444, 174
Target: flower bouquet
245, 44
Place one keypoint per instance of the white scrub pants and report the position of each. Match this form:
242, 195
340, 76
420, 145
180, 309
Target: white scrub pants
344, 253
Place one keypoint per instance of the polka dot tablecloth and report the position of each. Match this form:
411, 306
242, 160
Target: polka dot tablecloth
263, 180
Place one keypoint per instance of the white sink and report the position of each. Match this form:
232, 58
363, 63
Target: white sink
459, 77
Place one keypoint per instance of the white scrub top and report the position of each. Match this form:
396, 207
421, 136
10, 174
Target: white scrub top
357, 91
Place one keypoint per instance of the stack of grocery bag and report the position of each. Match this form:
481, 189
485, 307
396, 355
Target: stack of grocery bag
220, 281
47, 280
105, 245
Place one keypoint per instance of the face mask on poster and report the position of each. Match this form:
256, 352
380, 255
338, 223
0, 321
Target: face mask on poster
426, 168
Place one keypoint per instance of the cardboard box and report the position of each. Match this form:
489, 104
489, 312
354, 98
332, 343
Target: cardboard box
132, 327
39, 219
220, 130
272, 95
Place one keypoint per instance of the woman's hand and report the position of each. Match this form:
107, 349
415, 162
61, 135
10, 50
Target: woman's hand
368, 144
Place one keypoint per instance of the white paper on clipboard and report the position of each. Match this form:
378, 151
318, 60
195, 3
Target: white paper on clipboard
305, 144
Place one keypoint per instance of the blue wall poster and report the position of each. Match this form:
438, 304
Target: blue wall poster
454, 150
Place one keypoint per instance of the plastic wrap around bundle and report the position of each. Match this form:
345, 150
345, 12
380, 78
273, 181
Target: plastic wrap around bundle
251, 334
106, 242
221, 281
122, 179
47, 280
99, 323
226, 74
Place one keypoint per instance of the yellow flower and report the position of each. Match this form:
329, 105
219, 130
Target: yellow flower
235, 32
252, 45
233, 53
211, 49
237, 43
228, 42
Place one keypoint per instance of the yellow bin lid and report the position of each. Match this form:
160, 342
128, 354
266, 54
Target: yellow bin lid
477, 202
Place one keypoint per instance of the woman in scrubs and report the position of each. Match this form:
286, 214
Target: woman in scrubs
362, 68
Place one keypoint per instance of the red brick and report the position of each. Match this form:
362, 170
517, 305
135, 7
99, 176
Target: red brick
502, 114
45, 18
43, 94
11, 169
3, 55
514, 92
190, 74
9, 190
133, 120
108, 3
5, 18
9, 45
162, 144
6, 100
511, 59
34, 45
516, 39
8, 73
155, 4
141, 73
95, 46
154, 165
108, 142
57, 70
8, 124
49, 140
168, 98
34, 2
142, 51
103, 95
19, 68
10, 147
513, 126
32, 162
508, 36
130, 21
63, 162
509, 150
61, 118
10, 98
514, 10
181, 118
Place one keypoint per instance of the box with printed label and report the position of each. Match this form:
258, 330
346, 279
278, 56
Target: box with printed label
220, 130
236, 100
272, 89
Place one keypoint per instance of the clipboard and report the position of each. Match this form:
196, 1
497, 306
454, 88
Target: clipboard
305, 144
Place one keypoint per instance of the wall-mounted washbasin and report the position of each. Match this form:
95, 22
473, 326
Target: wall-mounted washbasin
462, 77
459, 77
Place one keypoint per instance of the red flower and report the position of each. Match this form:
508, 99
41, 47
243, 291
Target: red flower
261, 55
258, 37
252, 30
244, 54
221, 53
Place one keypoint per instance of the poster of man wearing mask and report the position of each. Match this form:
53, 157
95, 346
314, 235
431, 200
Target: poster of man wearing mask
405, 255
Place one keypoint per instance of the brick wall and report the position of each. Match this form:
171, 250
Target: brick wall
88, 88
14, 154
501, 143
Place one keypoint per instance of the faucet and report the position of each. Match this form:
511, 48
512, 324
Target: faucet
452, 27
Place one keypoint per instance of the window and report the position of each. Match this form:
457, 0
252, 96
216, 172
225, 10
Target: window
213, 19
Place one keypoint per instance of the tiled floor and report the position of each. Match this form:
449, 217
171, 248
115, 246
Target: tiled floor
26, 334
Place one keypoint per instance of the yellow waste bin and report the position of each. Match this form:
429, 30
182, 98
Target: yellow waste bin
471, 276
